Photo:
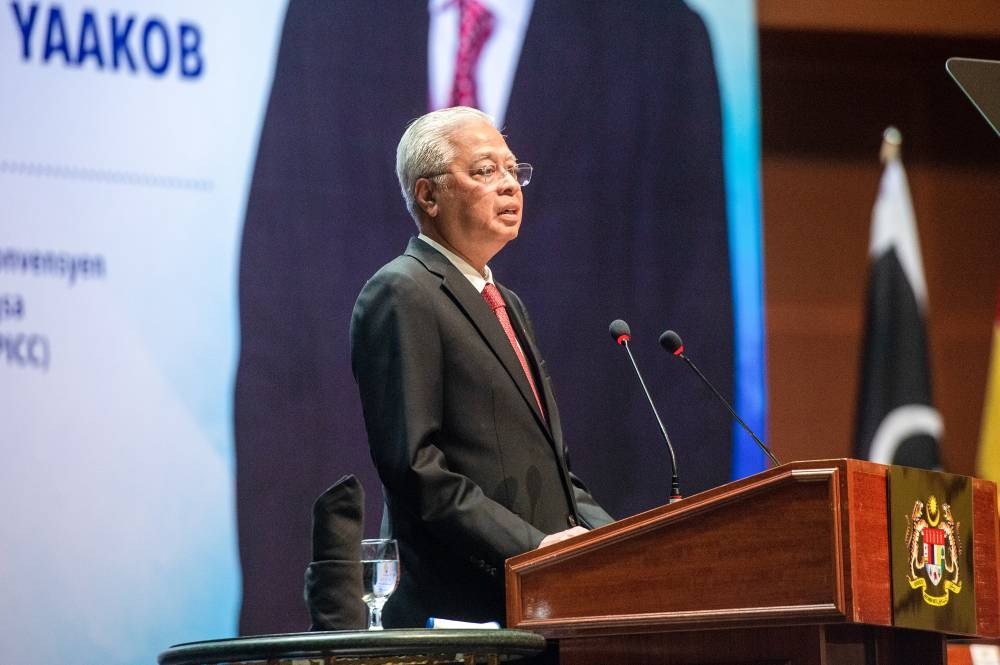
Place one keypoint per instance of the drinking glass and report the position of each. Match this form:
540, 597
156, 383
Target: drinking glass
380, 574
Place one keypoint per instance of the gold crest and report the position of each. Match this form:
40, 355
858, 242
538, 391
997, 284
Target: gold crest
932, 540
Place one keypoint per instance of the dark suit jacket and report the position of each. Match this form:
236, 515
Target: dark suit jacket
616, 106
472, 471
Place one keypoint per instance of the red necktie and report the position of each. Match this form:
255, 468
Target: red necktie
493, 298
475, 26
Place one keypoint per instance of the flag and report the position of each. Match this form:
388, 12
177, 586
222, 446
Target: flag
988, 458
896, 420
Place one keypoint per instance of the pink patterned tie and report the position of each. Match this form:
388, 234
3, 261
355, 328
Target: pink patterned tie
475, 26
493, 298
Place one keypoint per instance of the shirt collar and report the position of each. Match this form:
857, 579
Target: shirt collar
478, 280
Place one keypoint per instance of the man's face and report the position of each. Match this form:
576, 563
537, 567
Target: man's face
477, 219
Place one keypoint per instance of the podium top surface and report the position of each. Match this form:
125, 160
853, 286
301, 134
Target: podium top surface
980, 81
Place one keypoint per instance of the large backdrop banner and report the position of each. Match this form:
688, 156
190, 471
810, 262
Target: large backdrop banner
192, 195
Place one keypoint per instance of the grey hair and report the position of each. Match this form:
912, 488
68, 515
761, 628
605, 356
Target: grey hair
426, 148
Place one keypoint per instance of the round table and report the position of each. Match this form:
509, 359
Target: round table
385, 647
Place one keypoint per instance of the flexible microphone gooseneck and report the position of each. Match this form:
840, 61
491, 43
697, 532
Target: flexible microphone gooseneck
621, 334
672, 343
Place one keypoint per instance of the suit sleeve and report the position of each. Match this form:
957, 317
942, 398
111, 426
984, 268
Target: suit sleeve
398, 359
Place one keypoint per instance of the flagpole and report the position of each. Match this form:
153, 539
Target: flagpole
892, 141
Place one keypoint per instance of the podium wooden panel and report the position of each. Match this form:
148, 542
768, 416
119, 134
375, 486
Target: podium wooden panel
788, 566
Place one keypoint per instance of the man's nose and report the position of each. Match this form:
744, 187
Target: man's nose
508, 181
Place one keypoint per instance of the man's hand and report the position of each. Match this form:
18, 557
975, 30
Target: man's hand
554, 538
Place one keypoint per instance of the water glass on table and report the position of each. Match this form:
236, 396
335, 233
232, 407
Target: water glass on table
380, 575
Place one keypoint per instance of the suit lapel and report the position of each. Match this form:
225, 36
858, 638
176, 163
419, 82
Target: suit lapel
479, 313
518, 319
533, 356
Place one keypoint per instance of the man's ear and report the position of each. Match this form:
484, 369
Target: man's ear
423, 192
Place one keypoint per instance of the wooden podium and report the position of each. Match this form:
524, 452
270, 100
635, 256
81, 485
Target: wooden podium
791, 565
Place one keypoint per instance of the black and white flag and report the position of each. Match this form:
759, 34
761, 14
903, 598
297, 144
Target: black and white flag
896, 422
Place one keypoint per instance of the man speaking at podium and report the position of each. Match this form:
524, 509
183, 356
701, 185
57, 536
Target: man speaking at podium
461, 419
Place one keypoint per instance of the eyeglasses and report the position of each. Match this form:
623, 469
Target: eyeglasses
488, 173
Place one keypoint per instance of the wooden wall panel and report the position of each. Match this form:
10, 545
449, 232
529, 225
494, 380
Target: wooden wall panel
826, 96
955, 18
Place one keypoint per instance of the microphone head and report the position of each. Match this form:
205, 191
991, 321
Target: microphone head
620, 331
671, 341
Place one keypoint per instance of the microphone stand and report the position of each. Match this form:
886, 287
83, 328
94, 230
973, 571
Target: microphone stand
767, 451
675, 485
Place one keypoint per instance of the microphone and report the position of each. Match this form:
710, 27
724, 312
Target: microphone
621, 334
671, 341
